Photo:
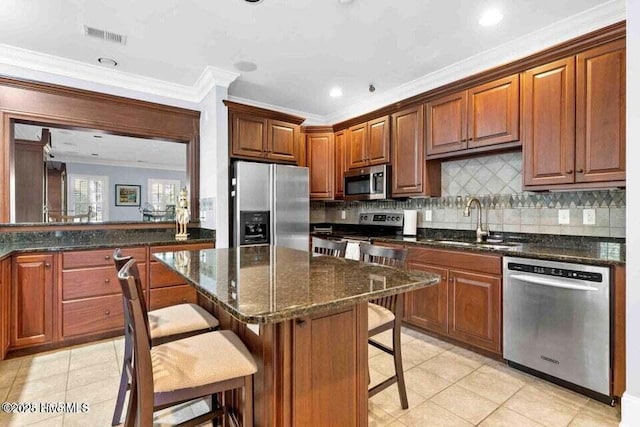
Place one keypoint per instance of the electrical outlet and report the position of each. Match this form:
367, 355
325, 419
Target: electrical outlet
563, 216
343, 214
427, 215
589, 217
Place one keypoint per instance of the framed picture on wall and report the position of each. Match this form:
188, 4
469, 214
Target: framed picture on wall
127, 195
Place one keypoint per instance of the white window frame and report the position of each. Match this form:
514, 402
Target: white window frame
151, 181
105, 197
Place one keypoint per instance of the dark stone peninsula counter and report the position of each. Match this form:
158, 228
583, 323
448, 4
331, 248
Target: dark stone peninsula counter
265, 284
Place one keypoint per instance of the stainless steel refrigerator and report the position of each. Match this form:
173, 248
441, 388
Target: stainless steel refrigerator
270, 205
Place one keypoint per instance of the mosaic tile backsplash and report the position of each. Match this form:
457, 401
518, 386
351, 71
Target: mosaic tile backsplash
497, 181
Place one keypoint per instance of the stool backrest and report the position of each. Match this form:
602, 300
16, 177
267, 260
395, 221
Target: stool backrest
119, 260
385, 256
328, 247
141, 398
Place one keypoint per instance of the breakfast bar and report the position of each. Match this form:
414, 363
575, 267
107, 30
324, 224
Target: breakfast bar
304, 319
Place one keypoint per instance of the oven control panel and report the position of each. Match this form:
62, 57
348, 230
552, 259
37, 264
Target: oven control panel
394, 219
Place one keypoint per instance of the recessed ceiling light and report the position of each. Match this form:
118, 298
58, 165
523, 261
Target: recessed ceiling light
336, 92
345, 1
97, 136
246, 66
95, 154
490, 17
108, 61
254, 1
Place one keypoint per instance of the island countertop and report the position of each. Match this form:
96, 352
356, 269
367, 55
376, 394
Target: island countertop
266, 284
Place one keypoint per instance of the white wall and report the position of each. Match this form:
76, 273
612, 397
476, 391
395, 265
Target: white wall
631, 398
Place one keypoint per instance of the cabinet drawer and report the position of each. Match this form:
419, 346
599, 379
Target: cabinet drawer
92, 315
100, 257
172, 295
491, 264
93, 282
162, 276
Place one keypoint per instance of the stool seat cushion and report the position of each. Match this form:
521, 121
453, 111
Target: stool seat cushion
378, 315
200, 360
179, 319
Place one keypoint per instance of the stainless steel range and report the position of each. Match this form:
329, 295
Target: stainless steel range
557, 321
387, 219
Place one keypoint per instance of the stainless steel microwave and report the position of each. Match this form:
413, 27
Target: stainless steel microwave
370, 183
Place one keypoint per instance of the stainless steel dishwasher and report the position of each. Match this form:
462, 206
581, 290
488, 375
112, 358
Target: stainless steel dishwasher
557, 321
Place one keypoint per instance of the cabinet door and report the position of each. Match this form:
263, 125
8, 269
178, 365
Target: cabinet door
427, 307
321, 162
378, 150
548, 133
248, 135
475, 311
600, 114
494, 112
340, 163
281, 141
407, 171
447, 124
32, 300
357, 146
172, 295
5, 297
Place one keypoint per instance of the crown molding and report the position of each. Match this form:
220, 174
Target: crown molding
589, 20
13, 59
310, 119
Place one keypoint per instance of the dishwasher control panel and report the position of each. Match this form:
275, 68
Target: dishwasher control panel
556, 272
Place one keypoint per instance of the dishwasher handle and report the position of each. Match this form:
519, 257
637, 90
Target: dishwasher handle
550, 282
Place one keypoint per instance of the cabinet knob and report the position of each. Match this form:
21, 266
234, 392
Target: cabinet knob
450, 279
470, 139
107, 312
47, 265
107, 257
107, 280
579, 170
569, 171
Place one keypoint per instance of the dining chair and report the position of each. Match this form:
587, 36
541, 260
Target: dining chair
328, 247
164, 324
179, 371
386, 313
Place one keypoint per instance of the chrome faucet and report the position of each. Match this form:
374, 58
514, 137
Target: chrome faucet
480, 233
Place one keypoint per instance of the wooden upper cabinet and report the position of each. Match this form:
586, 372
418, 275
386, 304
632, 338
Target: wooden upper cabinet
548, 134
378, 143
32, 300
249, 134
600, 114
494, 112
320, 158
357, 146
340, 139
281, 140
447, 123
411, 175
257, 133
368, 143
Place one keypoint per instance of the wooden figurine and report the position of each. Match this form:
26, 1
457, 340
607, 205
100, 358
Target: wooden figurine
183, 216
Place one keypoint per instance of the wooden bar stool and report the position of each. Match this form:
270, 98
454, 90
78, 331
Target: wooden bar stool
328, 247
386, 313
165, 324
179, 371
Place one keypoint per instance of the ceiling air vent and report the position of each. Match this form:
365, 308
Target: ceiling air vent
105, 35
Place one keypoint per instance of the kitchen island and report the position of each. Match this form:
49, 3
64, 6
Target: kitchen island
304, 318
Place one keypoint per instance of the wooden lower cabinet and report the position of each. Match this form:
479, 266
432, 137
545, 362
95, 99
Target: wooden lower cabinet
5, 310
475, 309
32, 300
164, 297
428, 307
92, 315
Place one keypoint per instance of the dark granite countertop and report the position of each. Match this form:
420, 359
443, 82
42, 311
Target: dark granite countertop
267, 284
45, 241
600, 252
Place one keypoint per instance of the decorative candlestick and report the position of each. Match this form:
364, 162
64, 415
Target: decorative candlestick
183, 216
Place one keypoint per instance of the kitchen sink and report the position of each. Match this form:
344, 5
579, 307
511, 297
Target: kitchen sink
454, 243
497, 246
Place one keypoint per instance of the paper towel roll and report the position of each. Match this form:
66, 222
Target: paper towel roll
410, 223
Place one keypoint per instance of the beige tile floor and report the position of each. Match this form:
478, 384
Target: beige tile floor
446, 386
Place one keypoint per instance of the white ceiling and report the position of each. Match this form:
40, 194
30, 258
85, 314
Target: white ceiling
82, 146
302, 47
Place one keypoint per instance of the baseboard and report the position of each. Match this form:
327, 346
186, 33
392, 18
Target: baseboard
630, 410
